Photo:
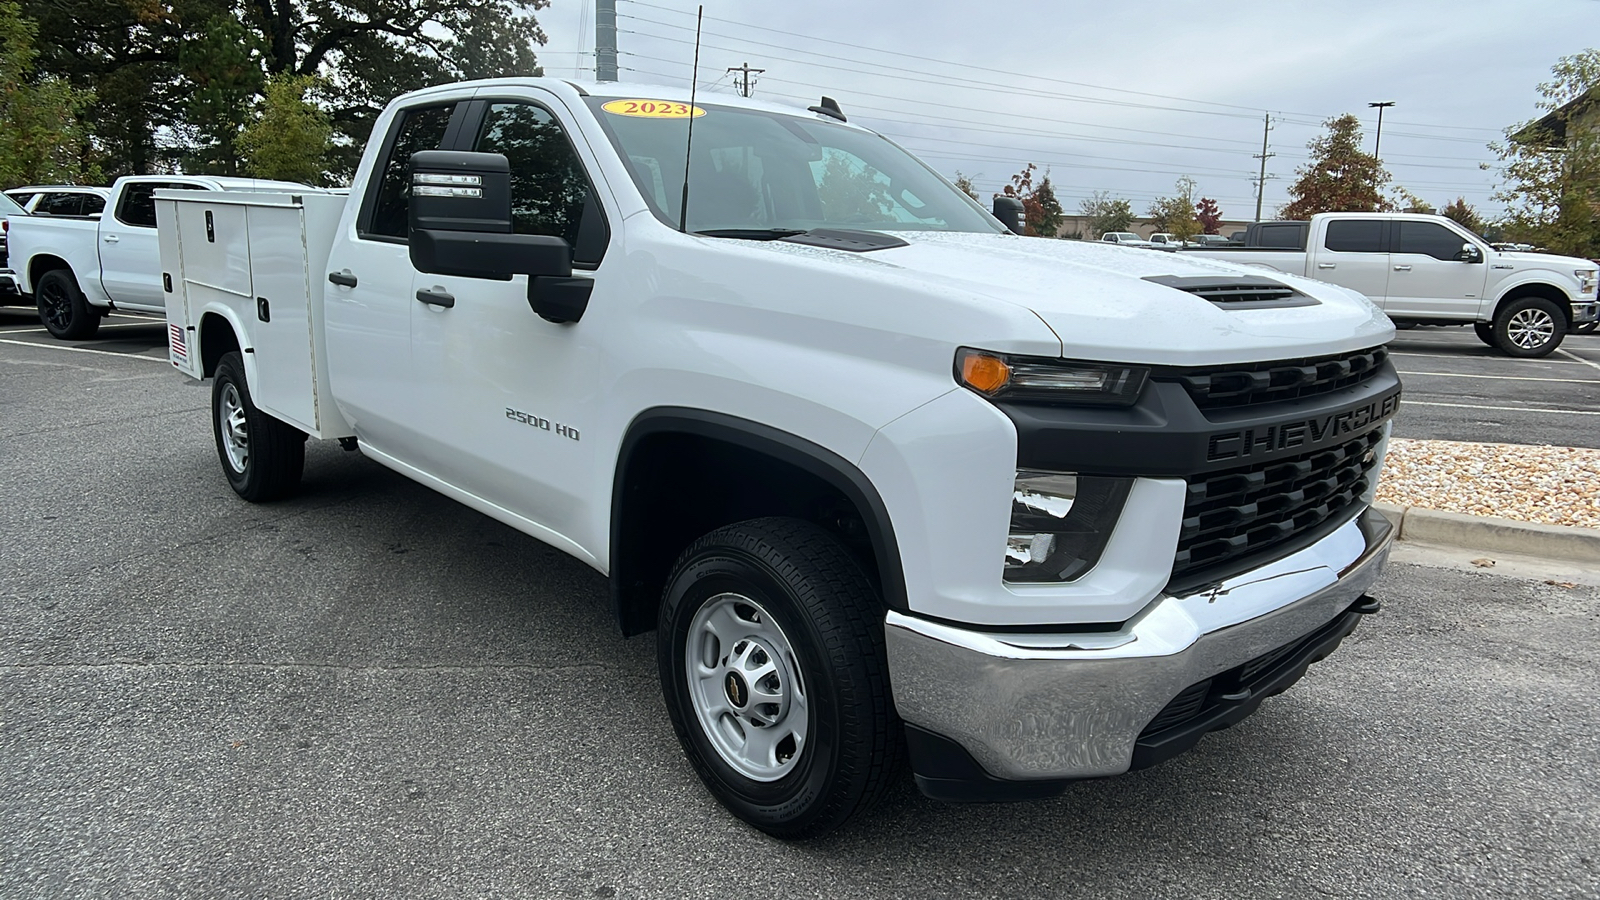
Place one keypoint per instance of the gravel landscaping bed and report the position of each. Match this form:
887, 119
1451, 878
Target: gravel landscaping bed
1548, 485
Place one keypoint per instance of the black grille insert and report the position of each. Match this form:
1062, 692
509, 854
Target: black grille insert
1270, 382
1241, 512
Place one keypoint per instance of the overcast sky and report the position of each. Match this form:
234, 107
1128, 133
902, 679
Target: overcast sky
1125, 95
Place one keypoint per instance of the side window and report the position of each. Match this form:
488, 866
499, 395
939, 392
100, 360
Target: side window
1429, 239
1355, 236
93, 205
418, 129
1279, 237
550, 192
138, 204
60, 205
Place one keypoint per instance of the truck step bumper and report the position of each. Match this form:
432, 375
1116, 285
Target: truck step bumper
1005, 716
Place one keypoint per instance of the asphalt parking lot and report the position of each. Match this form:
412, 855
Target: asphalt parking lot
372, 691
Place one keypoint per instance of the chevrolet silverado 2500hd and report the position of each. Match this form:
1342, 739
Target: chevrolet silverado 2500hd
79, 269
1428, 269
883, 477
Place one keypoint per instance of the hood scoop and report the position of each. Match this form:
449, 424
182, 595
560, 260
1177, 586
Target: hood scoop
1237, 291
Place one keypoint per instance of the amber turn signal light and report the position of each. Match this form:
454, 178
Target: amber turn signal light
983, 372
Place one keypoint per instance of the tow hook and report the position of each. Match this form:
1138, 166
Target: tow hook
1366, 605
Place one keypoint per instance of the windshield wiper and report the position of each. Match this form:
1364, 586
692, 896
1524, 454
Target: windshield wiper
753, 234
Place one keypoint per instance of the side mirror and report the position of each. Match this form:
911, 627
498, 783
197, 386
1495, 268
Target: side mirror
1010, 213
460, 224
1470, 253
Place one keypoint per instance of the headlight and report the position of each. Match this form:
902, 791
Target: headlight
1587, 281
1060, 523
1042, 379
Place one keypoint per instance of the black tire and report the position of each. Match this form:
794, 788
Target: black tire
273, 452
1585, 328
63, 309
1485, 333
821, 602
1512, 327
1404, 325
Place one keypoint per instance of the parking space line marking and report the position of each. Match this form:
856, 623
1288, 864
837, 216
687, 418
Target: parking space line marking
84, 350
1458, 357
1565, 412
1503, 377
156, 322
1575, 356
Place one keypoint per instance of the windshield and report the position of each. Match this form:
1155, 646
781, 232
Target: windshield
759, 171
9, 207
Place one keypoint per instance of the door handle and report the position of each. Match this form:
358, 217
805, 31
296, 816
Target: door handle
1327, 265
342, 278
110, 238
1402, 268
438, 296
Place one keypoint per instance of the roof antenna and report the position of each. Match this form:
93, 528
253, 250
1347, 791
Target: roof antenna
688, 147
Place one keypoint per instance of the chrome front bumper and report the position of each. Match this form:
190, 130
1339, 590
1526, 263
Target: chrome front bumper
1068, 706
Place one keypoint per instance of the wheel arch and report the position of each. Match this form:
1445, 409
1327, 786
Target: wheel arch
218, 336
683, 472
44, 263
1536, 289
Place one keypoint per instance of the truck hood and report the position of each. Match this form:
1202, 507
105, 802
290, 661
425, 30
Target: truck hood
1094, 297
1566, 265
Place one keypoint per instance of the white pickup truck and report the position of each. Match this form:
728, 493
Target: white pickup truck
1427, 269
79, 269
884, 479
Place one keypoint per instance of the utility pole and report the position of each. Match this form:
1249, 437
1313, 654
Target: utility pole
1378, 141
745, 83
605, 40
1261, 180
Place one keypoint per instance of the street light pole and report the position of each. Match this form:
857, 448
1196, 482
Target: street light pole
1378, 141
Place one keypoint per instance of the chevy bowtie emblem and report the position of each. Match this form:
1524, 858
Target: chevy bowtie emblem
736, 691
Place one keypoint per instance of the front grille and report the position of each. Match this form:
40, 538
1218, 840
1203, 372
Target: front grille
1270, 382
1241, 512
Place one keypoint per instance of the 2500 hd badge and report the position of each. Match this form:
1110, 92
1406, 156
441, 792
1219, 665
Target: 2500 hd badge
1266, 440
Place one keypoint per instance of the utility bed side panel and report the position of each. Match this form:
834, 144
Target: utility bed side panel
181, 346
285, 383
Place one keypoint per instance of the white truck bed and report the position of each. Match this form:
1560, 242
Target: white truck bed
258, 260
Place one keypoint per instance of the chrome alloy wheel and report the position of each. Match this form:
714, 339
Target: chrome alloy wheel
745, 686
235, 431
1531, 329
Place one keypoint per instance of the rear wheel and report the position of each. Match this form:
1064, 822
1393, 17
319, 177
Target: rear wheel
262, 456
66, 313
1529, 327
771, 649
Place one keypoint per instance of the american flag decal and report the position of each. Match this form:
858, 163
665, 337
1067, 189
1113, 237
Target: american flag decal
180, 350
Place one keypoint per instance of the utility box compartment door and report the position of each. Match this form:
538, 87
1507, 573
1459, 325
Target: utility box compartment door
285, 384
181, 350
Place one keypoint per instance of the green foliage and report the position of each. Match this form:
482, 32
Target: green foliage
1106, 213
852, 192
224, 67
964, 184
289, 142
1209, 215
1339, 177
1176, 214
1462, 213
1050, 213
41, 139
1552, 187
1405, 201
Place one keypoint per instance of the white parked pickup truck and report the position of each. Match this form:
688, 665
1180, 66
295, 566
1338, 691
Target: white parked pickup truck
884, 478
79, 269
1428, 269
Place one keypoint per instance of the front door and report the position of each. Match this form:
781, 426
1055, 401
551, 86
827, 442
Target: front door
130, 253
512, 397
1355, 254
1427, 277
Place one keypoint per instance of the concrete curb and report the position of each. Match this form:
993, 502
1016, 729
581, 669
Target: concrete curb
1432, 526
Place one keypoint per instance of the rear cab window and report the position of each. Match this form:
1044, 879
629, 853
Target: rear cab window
137, 207
1356, 236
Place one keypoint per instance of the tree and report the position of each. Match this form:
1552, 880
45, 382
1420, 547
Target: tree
41, 139
1051, 215
1176, 214
289, 142
1339, 177
1462, 213
1106, 213
1551, 165
964, 184
1209, 216
224, 66
1405, 201
1021, 187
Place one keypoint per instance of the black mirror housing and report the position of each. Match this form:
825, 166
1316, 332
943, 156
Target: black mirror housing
472, 254
1010, 213
460, 221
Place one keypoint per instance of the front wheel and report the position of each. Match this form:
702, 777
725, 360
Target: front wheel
1530, 327
63, 309
262, 456
771, 649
